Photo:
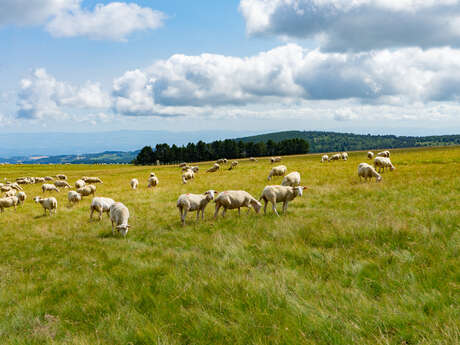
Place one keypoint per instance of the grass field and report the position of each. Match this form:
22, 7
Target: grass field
350, 262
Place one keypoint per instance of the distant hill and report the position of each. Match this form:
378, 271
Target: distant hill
333, 141
107, 157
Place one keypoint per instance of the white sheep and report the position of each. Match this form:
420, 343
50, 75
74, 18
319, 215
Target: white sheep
49, 204
16, 186
73, 197
195, 169
5, 188
91, 179
368, 172
214, 168
11, 192
382, 163
119, 215
47, 187
221, 161
134, 183
79, 184
61, 176
60, 183
188, 175
384, 154
292, 179
194, 202
153, 181
252, 159
370, 155
344, 156
39, 180
279, 170
233, 165
22, 197
100, 205
8, 202
275, 159
335, 157
232, 199
87, 190
282, 194
324, 158
183, 164
48, 178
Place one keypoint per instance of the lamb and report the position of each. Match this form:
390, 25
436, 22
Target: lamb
292, 179
8, 202
367, 171
279, 170
188, 175
11, 192
87, 190
275, 159
91, 179
233, 165
119, 214
22, 197
134, 183
49, 204
61, 176
60, 183
344, 156
382, 163
73, 197
282, 194
384, 154
47, 187
100, 204
194, 202
153, 181
370, 155
335, 157
214, 168
232, 199
79, 184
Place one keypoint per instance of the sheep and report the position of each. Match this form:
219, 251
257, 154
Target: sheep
22, 197
61, 176
119, 215
47, 187
48, 178
384, 154
186, 168
232, 199
152, 174
188, 175
16, 186
252, 159
233, 165
324, 158
282, 194
39, 179
60, 183
222, 161
100, 204
214, 168
49, 204
335, 157
279, 170
73, 197
183, 164
79, 184
86, 190
194, 202
370, 155
275, 159
367, 171
195, 169
153, 181
8, 202
134, 183
5, 188
11, 192
292, 179
91, 179
344, 156
382, 163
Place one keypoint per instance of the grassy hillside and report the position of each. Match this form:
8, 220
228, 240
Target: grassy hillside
350, 262
107, 157
332, 141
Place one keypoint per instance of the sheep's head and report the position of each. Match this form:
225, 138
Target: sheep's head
256, 205
210, 194
299, 190
37, 199
379, 178
123, 228
392, 168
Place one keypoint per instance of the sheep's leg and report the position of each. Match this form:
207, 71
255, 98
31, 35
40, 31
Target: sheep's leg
100, 214
285, 205
239, 211
202, 214
91, 214
113, 230
274, 208
216, 213
265, 206
224, 211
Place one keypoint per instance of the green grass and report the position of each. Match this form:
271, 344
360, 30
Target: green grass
350, 263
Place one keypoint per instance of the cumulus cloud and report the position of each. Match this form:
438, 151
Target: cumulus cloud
341, 25
67, 18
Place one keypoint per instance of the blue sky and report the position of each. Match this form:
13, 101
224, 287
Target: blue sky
381, 66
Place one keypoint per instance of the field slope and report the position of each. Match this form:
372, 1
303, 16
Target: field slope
350, 262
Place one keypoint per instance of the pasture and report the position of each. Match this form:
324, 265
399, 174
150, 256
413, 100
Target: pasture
350, 262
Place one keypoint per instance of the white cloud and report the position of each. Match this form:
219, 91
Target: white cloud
358, 25
344, 114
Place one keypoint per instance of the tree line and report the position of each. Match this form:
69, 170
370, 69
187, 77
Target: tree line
201, 151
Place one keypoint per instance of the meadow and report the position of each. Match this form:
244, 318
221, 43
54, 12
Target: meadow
350, 262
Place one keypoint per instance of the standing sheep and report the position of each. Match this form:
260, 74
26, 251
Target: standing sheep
79, 184
335, 157
183, 164
119, 215
214, 168
134, 183
8, 202
275, 159
22, 197
73, 197
188, 175
292, 179
370, 155
368, 172
252, 159
87, 190
49, 204
232, 199
61, 176
153, 181
324, 158
384, 154
11, 192
47, 187
233, 165
344, 156
279, 170
100, 205
282, 194
91, 179
62, 184
194, 202
382, 163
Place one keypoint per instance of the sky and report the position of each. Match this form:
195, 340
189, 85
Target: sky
362, 66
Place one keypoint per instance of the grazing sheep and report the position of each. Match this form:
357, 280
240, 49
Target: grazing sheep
100, 204
282, 194
86, 190
186, 168
134, 183
188, 175
22, 197
252, 159
61, 176
152, 174
335, 157
384, 154
153, 181
222, 161
214, 168
292, 179
233, 165
195, 169
62, 184
11, 192
48, 178
119, 215
49, 204
91, 179
275, 159
16, 186
194, 202
279, 170
80, 184
5, 188
344, 156
232, 199
183, 164
382, 163
47, 187
370, 155
367, 171
11, 201
73, 197
39, 180
324, 158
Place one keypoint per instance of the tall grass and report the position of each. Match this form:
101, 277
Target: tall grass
350, 262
